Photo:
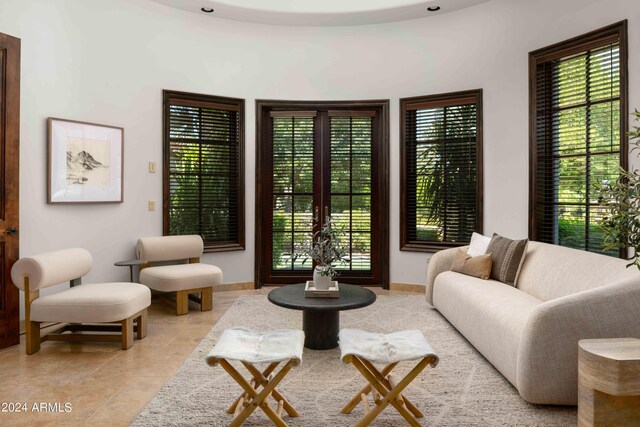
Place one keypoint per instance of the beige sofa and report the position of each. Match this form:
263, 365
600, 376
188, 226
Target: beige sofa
530, 333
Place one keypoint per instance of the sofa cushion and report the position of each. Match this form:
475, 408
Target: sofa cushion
97, 302
552, 271
489, 314
508, 256
169, 278
478, 244
474, 266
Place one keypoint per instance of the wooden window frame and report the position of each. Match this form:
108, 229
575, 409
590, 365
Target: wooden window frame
265, 108
232, 104
434, 101
614, 32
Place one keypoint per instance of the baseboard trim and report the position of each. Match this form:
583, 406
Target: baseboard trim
239, 286
407, 287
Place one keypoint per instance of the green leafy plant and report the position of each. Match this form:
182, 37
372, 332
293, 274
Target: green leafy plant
326, 249
621, 203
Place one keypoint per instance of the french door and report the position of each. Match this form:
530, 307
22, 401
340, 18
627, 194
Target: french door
320, 159
9, 154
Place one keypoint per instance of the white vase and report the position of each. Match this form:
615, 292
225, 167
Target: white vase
321, 281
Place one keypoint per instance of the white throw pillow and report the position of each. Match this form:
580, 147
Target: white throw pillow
478, 245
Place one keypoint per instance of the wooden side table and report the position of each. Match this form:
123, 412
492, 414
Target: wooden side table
131, 264
609, 382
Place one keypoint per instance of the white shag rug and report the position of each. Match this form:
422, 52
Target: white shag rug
463, 390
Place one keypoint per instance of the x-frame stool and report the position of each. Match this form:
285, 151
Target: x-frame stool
384, 387
257, 391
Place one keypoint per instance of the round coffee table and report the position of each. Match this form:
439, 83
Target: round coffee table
321, 316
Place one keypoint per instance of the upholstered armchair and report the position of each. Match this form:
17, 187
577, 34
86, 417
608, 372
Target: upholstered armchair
117, 307
186, 275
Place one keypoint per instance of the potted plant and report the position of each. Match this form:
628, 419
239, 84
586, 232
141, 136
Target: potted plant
621, 203
326, 250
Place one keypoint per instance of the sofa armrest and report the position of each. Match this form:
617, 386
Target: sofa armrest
439, 262
547, 366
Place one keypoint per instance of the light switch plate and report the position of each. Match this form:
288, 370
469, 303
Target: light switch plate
152, 205
152, 168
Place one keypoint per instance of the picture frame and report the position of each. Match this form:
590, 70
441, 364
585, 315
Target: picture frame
85, 162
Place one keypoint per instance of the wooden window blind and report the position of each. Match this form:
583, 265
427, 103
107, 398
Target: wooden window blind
578, 135
441, 170
203, 169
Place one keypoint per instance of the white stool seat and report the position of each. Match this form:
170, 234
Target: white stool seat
171, 278
92, 303
385, 348
245, 345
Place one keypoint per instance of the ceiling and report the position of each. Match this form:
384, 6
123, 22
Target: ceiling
320, 13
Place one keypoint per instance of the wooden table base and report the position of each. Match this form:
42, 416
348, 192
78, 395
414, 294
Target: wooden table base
609, 382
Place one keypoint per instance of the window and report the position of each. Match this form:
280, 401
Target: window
203, 169
441, 170
578, 137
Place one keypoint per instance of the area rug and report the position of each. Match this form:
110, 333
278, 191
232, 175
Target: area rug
463, 390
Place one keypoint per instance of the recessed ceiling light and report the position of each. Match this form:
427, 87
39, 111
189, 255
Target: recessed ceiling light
209, 10
433, 8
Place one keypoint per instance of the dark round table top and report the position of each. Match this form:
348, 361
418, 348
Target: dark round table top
351, 296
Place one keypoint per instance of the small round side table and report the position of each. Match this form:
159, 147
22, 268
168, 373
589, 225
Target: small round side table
131, 264
609, 382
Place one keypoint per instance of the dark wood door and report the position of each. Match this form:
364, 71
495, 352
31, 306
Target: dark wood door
315, 160
9, 163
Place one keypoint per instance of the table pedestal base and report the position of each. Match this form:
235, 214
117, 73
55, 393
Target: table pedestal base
320, 329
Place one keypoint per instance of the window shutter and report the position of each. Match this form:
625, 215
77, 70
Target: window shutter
203, 182
442, 171
578, 138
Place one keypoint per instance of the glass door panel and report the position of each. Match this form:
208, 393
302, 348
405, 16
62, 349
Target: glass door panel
351, 186
292, 190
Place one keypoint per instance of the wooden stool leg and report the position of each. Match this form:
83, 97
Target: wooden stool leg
257, 399
141, 327
389, 396
262, 378
127, 333
366, 389
206, 299
182, 302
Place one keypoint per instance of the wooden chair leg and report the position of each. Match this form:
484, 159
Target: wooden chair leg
127, 333
32, 337
206, 299
141, 329
182, 302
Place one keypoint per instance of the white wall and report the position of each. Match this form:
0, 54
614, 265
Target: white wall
108, 61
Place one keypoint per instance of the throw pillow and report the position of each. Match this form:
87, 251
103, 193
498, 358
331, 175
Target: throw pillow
477, 266
478, 244
508, 256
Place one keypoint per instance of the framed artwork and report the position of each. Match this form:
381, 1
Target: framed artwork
85, 162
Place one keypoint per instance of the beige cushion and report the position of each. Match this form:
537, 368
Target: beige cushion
489, 314
474, 266
51, 268
169, 248
508, 256
98, 302
552, 271
168, 278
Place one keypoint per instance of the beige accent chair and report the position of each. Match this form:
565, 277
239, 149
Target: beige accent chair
185, 279
530, 332
80, 305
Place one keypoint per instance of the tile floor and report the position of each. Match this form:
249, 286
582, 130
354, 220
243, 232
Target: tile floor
103, 384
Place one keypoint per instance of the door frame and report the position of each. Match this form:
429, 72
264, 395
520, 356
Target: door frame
9, 180
263, 105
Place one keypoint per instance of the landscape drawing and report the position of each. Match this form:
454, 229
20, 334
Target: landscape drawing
88, 162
